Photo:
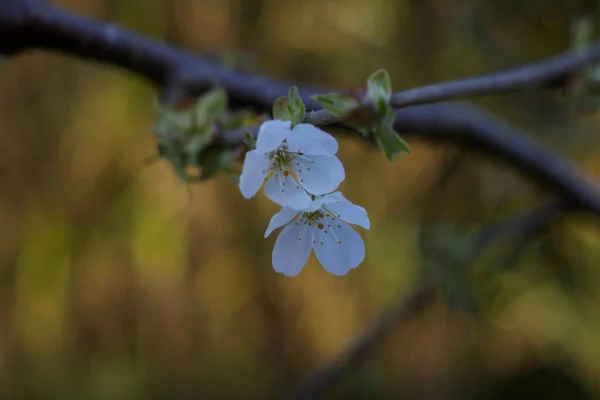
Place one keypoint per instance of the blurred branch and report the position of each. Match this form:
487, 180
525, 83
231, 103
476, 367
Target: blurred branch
524, 225
401, 311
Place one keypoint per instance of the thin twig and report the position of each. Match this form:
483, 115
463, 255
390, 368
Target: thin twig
407, 306
401, 311
523, 225
550, 72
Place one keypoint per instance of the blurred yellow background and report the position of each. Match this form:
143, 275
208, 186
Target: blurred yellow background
119, 282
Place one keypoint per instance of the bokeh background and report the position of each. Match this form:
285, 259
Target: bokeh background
118, 281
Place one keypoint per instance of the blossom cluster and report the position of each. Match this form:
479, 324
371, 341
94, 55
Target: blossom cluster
299, 169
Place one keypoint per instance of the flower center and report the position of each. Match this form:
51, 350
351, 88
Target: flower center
316, 218
313, 216
280, 158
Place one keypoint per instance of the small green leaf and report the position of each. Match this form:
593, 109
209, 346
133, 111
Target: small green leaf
197, 143
363, 130
390, 142
296, 105
337, 104
281, 109
390, 116
290, 108
379, 87
249, 140
171, 120
210, 107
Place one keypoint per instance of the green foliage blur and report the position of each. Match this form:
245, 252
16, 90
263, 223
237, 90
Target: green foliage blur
118, 281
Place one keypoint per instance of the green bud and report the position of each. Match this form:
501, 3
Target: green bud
290, 108
281, 109
296, 105
210, 107
379, 89
337, 104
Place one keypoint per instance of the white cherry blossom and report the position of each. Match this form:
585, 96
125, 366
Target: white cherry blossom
293, 162
324, 227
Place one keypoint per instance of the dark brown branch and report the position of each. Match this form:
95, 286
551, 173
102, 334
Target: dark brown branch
475, 128
30, 24
407, 306
551, 72
461, 123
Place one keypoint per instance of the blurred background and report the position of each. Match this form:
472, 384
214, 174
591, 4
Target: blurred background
118, 281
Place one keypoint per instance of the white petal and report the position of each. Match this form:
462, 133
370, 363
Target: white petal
346, 211
292, 249
342, 248
319, 174
309, 139
284, 216
271, 134
254, 172
315, 205
332, 197
286, 192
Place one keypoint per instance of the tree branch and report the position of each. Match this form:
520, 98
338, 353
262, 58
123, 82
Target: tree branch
525, 224
30, 24
550, 72
467, 125
406, 307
